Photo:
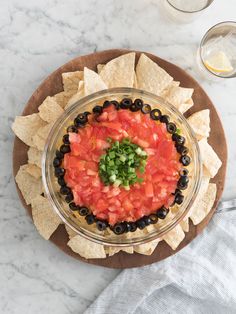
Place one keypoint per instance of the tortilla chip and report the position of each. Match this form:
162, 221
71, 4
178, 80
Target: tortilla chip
119, 72
205, 204
186, 106
71, 80
100, 67
29, 186
70, 232
39, 139
34, 156
76, 97
174, 237
151, 77
92, 82
135, 81
25, 127
112, 250
167, 89
86, 248
209, 158
45, 219
178, 95
63, 97
185, 224
147, 248
34, 171
200, 123
49, 110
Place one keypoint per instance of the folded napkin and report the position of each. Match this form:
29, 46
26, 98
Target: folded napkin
201, 278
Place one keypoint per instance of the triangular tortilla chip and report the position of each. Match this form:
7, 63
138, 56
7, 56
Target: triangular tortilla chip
34, 171
112, 250
167, 89
147, 248
100, 67
174, 237
92, 82
200, 123
86, 248
150, 76
209, 157
45, 219
71, 80
39, 139
186, 106
63, 97
49, 110
25, 127
34, 156
70, 232
185, 224
205, 204
29, 186
76, 97
119, 72
178, 95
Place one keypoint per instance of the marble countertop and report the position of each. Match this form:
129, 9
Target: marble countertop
36, 37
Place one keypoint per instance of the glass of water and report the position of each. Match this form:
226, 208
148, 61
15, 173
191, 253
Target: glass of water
185, 11
216, 56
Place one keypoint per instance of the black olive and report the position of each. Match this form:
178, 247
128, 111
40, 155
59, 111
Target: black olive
146, 109
81, 119
59, 172
185, 160
183, 150
61, 181
141, 223
59, 154
119, 228
162, 212
65, 149
165, 119
73, 206
133, 226
127, 226
155, 114
133, 108
65, 190
97, 109
116, 104
72, 129
56, 162
87, 113
183, 172
153, 218
138, 103
101, 225
125, 103
83, 211
180, 140
177, 191
69, 197
171, 127
90, 219
147, 220
65, 139
106, 104
183, 183
179, 198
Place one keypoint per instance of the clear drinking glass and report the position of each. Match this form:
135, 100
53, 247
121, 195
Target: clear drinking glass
216, 56
185, 11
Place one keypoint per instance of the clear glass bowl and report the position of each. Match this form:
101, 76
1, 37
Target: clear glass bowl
78, 224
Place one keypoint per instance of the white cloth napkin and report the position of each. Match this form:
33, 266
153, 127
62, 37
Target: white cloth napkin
201, 278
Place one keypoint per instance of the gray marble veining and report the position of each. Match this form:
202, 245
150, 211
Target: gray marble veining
35, 38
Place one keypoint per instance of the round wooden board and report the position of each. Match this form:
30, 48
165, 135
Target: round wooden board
53, 84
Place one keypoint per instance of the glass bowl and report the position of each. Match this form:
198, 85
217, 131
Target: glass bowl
78, 224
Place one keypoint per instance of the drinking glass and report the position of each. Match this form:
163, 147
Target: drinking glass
185, 11
216, 56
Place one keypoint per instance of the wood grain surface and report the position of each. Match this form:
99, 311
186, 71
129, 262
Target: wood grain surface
53, 84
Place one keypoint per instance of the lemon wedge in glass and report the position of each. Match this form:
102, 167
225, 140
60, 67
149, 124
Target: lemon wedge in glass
218, 63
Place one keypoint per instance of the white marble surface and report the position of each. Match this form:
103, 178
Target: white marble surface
35, 38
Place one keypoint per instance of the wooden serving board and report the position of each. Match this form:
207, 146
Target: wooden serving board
53, 84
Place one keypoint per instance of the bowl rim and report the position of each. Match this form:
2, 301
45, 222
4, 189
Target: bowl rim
85, 100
